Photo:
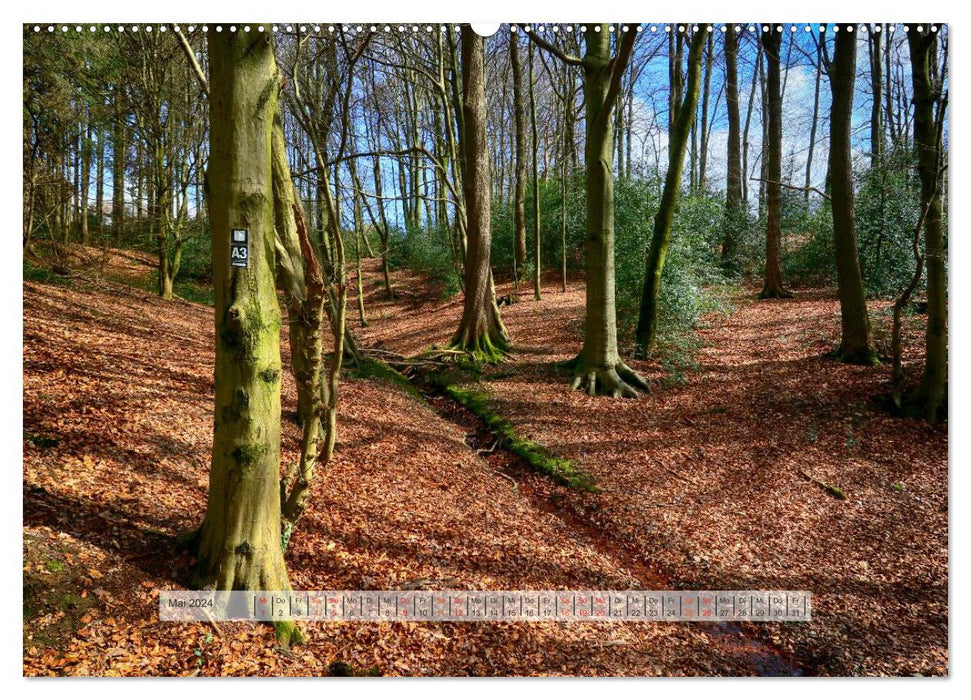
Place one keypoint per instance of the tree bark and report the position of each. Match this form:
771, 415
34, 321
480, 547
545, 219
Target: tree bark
734, 213
927, 136
677, 143
85, 178
815, 121
703, 122
520, 119
537, 244
774, 287
599, 369
481, 331
876, 108
240, 545
855, 346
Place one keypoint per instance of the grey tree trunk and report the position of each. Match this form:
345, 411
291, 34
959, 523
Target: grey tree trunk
734, 213
520, 185
855, 346
599, 369
773, 288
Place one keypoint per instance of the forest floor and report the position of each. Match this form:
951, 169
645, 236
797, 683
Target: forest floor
704, 483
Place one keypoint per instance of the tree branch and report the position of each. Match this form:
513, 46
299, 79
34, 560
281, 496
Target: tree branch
555, 50
190, 54
793, 187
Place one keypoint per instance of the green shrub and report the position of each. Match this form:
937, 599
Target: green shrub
428, 252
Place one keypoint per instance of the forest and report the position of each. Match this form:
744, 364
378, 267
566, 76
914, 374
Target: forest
423, 307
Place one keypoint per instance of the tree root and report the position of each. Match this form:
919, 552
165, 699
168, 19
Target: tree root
865, 356
617, 380
483, 350
775, 293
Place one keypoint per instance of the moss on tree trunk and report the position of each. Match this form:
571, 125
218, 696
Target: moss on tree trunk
240, 541
677, 143
599, 369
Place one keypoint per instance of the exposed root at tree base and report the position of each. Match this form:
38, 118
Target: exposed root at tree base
483, 349
617, 380
776, 293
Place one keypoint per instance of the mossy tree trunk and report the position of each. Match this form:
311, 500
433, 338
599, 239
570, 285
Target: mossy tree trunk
855, 346
240, 539
481, 331
734, 211
928, 130
677, 143
599, 369
774, 288
519, 204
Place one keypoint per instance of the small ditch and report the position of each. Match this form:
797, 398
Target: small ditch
742, 641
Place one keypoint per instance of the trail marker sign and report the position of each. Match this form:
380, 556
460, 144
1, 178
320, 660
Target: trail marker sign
239, 248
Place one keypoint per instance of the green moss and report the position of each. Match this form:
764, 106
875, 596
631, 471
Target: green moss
270, 375
343, 669
54, 566
368, 368
533, 454
835, 491
484, 350
246, 455
288, 633
41, 440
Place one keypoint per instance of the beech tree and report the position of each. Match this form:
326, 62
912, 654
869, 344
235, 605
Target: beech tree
855, 346
519, 199
773, 287
239, 546
599, 369
481, 331
677, 144
734, 211
930, 102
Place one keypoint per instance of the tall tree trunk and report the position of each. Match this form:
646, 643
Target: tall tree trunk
677, 141
564, 174
928, 136
481, 331
734, 213
519, 113
773, 288
240, 543
748, 124
705, 102
599, 369
86, 152
358, 235
876, 107
815, 121
888, 91
537, 245
855, 346
99, 197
